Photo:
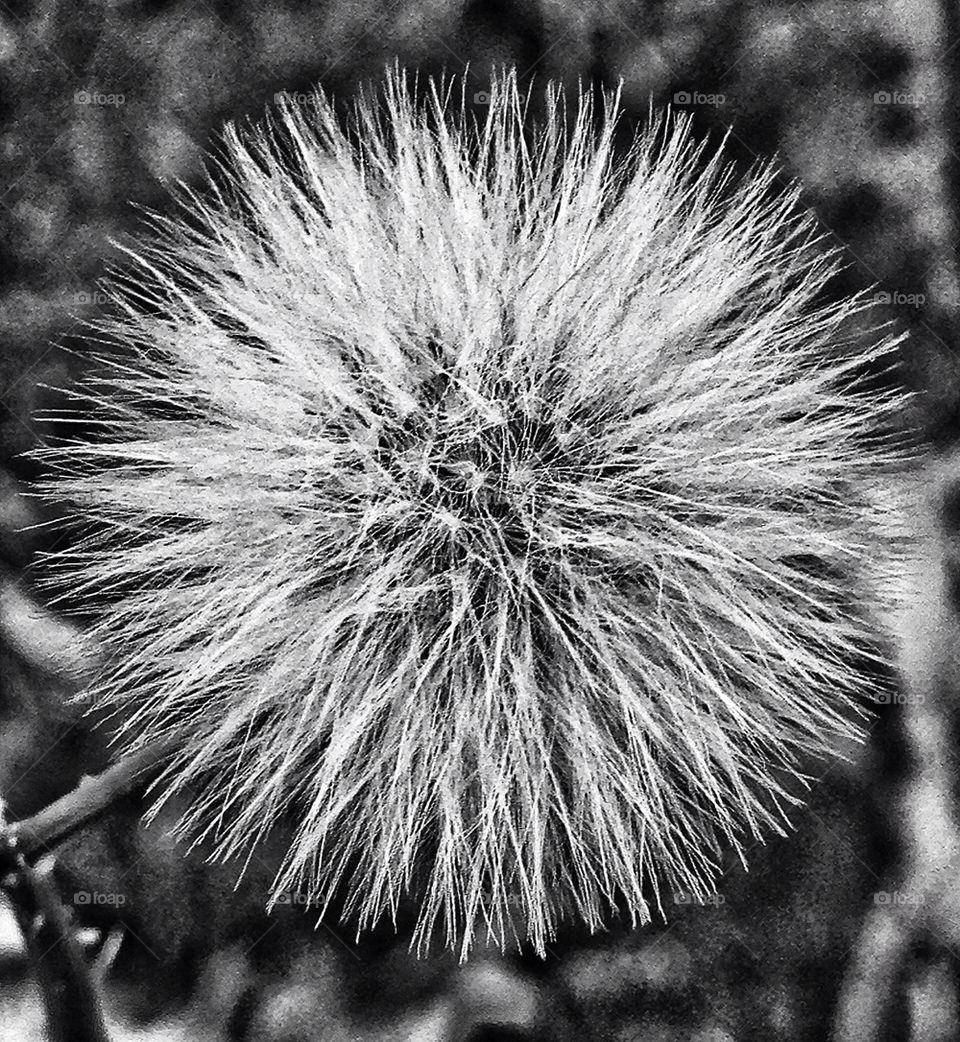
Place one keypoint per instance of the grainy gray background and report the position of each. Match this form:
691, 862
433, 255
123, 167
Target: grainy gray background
100, 103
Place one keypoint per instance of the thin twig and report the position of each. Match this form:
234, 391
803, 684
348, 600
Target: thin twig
92, 796
71, 999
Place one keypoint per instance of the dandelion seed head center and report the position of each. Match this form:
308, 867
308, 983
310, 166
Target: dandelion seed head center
475, 474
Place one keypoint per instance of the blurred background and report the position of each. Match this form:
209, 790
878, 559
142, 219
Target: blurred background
101, 105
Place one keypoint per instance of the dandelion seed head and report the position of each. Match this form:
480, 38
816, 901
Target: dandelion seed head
486, 502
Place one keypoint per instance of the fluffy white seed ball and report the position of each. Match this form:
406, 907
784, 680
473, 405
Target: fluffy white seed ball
485, 504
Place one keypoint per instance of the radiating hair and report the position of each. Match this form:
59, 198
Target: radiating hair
490, 502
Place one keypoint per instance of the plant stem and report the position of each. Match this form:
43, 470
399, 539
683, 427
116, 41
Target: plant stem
92, 796
71, 998
72, 1003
